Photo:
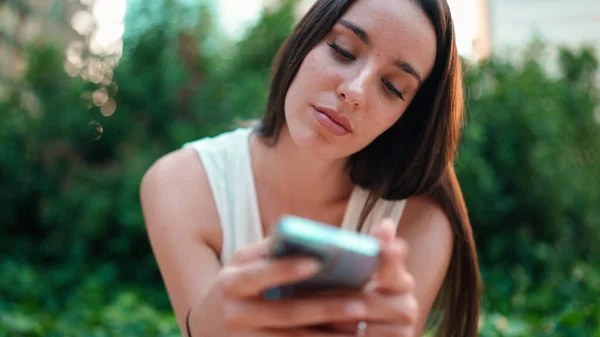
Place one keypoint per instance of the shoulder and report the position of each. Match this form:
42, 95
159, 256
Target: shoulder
425, 223
175, 192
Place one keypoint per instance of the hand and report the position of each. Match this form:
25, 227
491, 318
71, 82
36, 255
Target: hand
234, 306
389, 295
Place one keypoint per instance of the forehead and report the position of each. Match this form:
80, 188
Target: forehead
398, 29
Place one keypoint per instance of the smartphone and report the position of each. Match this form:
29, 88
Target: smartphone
348, 258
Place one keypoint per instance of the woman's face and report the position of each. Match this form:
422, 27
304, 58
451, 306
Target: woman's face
358, 81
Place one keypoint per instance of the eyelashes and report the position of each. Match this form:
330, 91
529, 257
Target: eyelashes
340, 53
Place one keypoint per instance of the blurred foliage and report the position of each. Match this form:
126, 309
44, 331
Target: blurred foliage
76, 258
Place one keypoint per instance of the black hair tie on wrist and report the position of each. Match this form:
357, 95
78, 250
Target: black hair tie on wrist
187, 323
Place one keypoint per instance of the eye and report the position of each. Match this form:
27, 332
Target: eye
391, 90
341, 53
345, 56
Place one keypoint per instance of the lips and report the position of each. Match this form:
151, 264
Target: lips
336, 117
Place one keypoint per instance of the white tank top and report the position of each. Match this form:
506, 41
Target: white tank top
226, 160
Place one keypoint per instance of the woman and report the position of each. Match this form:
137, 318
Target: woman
360, 131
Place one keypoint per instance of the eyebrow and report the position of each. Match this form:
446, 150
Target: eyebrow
407, 68
364, 37
359, 32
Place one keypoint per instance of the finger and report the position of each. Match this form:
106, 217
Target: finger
393, 276
305, 332
400, 309
397, 309
386, 330
374, 329
349, 327
251, 252
253, 278
386, 231
300, 313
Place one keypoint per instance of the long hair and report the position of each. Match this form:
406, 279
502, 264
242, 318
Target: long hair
413, 157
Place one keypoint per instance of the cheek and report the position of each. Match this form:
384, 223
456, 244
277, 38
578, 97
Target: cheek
317, 71
315, 75
383, 117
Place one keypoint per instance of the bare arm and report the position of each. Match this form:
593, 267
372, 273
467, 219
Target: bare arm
428, 232
184, 231
183, 227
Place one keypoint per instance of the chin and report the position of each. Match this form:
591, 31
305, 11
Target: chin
310, 139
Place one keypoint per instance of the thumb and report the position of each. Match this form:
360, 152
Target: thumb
386, 231
251, 252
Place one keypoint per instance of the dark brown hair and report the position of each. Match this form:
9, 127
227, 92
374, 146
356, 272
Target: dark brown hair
413, 157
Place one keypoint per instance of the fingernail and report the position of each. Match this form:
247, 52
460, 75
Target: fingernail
401, 248
307, 267
372, 285
356, 309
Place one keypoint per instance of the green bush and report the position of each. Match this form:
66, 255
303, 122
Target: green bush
77, 260
529, 168
35, 306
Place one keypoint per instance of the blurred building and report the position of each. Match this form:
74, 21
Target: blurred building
488, 27
22, 21
470, 18
513, 23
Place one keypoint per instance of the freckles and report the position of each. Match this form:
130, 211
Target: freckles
317, 67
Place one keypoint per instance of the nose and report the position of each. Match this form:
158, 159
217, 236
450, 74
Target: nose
353, 89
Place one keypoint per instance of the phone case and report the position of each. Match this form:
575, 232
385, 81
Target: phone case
348, 258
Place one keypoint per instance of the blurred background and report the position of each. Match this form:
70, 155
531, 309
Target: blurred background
92, 92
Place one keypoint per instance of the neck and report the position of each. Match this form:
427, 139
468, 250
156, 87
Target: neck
299, 176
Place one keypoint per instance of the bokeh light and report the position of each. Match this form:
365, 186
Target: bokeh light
108, 108
100, 97
94, 57
97, 130
83, 22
